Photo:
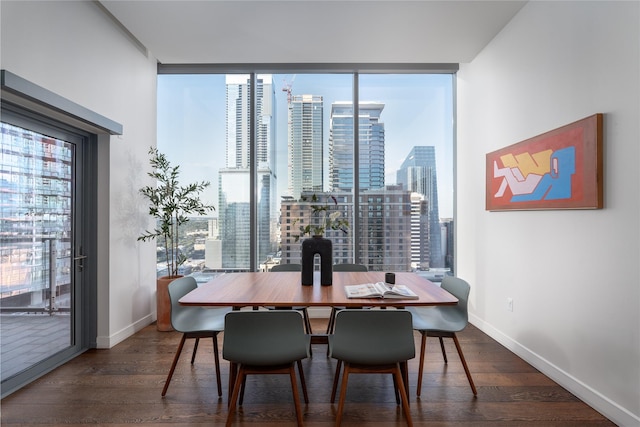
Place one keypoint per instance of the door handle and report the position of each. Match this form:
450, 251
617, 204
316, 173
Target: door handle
80, 259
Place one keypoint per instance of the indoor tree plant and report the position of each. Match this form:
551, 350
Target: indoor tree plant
170, 204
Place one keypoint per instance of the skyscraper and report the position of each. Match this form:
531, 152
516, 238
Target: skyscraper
418, 174
234, 179
385, 229
371, 146
305, 136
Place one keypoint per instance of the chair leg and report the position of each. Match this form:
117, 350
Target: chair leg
444, 353
343, 393
464, 364
332, 318
242, 387
403, 394
423, 344
335, 381
395, 389
296, 395
303, 383
307, 327
173, 365
404, 370
307, 322
234, 396
195, 349
216, 357
233, 375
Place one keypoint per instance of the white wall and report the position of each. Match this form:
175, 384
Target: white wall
75, 51
573, 275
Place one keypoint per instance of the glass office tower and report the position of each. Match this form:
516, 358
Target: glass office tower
305, 136
234, 179
371, 146
418, 174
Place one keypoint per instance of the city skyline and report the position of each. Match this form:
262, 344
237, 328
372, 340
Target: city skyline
418, 111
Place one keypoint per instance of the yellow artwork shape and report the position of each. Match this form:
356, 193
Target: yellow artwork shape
537, 163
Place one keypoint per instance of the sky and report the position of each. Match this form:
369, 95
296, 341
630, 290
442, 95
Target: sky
418, 111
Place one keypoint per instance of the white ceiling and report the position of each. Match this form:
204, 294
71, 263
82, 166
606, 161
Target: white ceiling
312, 31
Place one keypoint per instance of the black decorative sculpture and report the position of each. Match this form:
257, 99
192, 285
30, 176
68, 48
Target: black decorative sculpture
324, 248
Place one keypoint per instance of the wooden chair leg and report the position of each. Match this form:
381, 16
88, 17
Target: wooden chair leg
403, 394
302, 382
404, 370
444, 353
395, 389
335, 381
307, 327
216, 357
307, 322
233, 375
173, 365
464, 364
423, 344
242, 387
234, 396
332, 318
296, 395
343, 394
195, 349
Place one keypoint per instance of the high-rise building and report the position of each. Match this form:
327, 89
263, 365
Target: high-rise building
385, 229
234, 179
371, 146
418, 174
305, 139
448, 227
296, 213
420, 251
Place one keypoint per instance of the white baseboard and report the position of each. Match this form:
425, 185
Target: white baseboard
124, 333
591, 397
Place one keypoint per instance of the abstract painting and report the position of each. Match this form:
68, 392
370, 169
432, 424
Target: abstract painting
560, 169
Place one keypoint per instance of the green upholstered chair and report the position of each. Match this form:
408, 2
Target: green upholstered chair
194, 322
265, 342
372, 341
444, 322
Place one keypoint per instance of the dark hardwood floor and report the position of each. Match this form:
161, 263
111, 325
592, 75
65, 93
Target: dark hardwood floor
122, 386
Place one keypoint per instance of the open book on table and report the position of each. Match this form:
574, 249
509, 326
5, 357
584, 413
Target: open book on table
379, 290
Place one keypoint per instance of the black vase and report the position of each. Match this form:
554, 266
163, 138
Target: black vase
324, 248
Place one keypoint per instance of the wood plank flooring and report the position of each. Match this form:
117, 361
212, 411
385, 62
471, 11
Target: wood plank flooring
122, 386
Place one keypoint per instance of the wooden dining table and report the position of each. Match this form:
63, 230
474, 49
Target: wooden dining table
285, 289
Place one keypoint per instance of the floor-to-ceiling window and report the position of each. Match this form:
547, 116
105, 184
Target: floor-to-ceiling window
375, 147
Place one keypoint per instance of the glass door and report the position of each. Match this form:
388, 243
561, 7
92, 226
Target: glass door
40, 258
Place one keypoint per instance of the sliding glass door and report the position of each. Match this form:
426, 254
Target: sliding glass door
41, 258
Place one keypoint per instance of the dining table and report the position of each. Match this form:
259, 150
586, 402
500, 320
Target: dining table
285, 289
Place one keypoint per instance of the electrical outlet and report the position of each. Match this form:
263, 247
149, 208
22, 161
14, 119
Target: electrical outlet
510, 304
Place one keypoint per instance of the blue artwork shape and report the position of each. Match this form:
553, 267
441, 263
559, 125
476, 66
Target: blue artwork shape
557, 183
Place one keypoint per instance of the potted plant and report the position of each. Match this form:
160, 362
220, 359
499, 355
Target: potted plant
324, 219
321, 220
170, 204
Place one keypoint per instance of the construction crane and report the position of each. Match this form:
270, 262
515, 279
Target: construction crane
287, 88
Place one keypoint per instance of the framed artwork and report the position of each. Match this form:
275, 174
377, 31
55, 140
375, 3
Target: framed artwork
560, 169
